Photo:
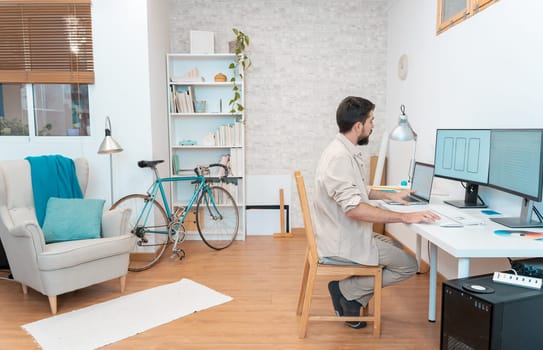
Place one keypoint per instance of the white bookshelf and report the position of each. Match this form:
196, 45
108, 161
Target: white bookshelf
201, 137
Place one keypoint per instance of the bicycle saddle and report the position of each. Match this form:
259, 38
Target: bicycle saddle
149, 163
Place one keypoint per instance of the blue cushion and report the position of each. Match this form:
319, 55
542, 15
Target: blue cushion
68, 219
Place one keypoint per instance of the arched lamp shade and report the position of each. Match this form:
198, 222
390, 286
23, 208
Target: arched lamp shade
109, 145
403, 131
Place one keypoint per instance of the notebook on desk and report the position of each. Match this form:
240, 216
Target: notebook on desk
421, 183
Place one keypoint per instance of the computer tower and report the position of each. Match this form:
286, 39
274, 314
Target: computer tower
509, 318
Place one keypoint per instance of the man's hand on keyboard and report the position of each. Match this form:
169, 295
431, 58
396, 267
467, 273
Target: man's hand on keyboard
420, 216
399, 196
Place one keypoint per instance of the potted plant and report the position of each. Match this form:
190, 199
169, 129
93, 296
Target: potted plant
12, 127
243, 62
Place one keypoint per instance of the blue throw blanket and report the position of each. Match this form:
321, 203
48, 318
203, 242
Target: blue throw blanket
52, 176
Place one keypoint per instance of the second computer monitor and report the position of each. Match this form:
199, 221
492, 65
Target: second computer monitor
516, 167
463, 155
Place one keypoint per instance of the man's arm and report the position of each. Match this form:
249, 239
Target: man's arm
395, 196
368, 213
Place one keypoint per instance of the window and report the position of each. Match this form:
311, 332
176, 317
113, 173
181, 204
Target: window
54, 109
452, 12
46, 64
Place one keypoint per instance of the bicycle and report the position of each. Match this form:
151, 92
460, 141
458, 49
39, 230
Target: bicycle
154, 225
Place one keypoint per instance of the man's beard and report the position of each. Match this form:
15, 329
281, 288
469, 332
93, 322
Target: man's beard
363, 141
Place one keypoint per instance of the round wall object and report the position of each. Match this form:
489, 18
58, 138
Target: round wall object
403, 64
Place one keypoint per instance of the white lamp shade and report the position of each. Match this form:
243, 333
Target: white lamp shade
109, 145
404, 131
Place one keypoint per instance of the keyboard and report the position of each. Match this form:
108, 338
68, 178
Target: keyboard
411, 199
453, 217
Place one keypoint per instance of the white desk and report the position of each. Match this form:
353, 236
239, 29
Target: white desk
465, 243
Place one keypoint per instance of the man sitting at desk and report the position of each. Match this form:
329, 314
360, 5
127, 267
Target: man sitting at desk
344, 217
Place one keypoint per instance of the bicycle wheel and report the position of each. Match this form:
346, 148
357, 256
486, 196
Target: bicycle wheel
218, 217
150, 240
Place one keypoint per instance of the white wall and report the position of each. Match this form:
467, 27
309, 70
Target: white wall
484, 73
307, 56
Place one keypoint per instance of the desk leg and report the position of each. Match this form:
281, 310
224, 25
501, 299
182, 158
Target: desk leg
433, 283
463, 267
418, 252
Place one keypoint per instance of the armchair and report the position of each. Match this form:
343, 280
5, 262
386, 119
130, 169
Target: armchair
56, 268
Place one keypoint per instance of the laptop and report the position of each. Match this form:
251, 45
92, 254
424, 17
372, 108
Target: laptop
421, 183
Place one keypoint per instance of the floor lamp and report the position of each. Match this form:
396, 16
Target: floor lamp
402, 132
109, 146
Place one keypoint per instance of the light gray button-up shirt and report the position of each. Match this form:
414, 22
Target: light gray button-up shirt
340, 186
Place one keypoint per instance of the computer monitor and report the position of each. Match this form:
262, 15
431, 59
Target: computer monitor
516, 167
463, 155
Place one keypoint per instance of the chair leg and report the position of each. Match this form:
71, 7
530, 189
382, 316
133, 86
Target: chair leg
303, 286
377, 289
365, 310
304, 319
53, 304
123, 283
25, 288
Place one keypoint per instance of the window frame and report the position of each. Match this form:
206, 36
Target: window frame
472, 8
31, 107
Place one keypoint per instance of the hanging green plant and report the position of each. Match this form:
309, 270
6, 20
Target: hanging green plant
242, 63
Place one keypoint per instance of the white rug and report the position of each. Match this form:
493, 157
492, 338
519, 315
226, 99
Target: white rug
111, 321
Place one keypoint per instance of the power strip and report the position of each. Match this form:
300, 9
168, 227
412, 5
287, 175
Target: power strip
517, 280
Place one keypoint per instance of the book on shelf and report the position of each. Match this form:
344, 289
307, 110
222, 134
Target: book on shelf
190, 99
232, 161
173, 100
220, 171
183, 97
175, 164
232, 189
228, 135
236, 163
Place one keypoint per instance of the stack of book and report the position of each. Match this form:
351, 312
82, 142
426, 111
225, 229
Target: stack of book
183, 99
228, 135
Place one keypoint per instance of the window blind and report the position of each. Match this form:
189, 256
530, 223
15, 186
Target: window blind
46, 42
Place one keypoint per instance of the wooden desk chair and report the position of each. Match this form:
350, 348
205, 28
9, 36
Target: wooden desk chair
312, 269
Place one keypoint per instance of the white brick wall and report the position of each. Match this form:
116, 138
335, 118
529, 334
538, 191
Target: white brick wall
307, 56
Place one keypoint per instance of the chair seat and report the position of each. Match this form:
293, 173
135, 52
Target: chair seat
61, 255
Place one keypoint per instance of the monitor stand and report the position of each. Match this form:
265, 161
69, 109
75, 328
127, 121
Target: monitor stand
471, 198
463, 204
513, 222
524, 220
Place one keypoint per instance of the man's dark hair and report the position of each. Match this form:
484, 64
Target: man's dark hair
352, 110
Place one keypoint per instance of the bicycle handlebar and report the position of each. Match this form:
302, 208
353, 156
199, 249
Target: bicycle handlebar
204, 170
200, 170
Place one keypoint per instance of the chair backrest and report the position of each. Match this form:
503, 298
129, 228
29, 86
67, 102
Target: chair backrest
16, 196
306, 213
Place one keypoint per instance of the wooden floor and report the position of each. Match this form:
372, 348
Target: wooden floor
263, 276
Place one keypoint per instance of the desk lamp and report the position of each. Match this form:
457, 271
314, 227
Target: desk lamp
402, 132
109, 146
